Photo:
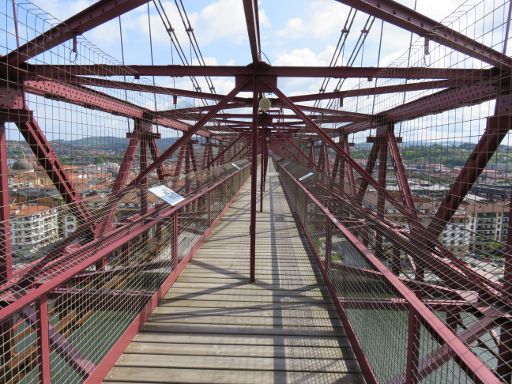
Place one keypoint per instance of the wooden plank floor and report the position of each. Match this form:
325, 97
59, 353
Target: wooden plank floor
215, 327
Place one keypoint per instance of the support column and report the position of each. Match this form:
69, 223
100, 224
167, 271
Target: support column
505, 347
381, 200
254, 170
179, 163
5, 222
143, 163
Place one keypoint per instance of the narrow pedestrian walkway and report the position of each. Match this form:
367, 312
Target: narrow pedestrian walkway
215, 327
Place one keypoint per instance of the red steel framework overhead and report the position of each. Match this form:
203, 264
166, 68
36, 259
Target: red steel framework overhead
401, 186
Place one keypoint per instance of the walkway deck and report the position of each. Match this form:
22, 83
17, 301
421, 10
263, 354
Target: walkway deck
215, 327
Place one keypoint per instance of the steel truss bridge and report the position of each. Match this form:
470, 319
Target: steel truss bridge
320, 236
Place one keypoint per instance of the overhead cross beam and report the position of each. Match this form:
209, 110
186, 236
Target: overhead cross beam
438, 102
141, 87
90, 98
406, 18
338, 72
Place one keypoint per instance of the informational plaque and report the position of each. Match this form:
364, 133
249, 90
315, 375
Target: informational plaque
167, 194
306, 176
236, 166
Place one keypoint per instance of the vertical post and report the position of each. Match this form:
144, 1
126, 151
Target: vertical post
175, 239
187, 158
5, 226
193, 157
311, 153
179, 163
44, 341
328, 244
262, 172
505, 346
413, 339
381, 200
350, 172
204, 159
254, 170
143, 163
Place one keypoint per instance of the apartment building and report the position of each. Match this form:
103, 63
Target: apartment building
32, 227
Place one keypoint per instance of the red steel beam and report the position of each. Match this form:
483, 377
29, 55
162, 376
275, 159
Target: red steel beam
408, 87
456, 346
436, 103
224, 150
89, 98
49, 161
254, 178
5, 217
91, 17
400, 173
55, 70
183, 112
104, 83
497, 128
253, 28
153, 148
410, 20
188, 134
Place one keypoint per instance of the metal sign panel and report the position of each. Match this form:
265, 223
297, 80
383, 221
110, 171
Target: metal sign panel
167, 194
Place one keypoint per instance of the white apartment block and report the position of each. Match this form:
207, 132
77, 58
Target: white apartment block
33, 227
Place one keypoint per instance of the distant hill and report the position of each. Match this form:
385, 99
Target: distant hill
109, 142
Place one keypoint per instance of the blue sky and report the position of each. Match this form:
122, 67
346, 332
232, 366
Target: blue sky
293, 32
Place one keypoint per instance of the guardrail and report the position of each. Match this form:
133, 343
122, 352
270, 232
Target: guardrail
72, 322
398, 334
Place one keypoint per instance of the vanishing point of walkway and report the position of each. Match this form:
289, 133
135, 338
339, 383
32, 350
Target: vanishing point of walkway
216, 327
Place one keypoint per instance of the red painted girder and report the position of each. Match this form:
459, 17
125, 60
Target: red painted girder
408, 87
254, 171
104, 83
431, 362
414, 285
90, 98
497, 128
451, 269
400, 173
184, 112
354, 115
48, 159
179, 163
401, 304
350, 172
436, 103
224, 150
97, 249
253, 28
5, 227
97, 14
61, 344
153, 148
188, 134
463, 353
225, 117
406, 18
56, 71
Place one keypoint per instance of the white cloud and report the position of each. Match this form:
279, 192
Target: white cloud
294, 28
325, 18
225, 19
305, 57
